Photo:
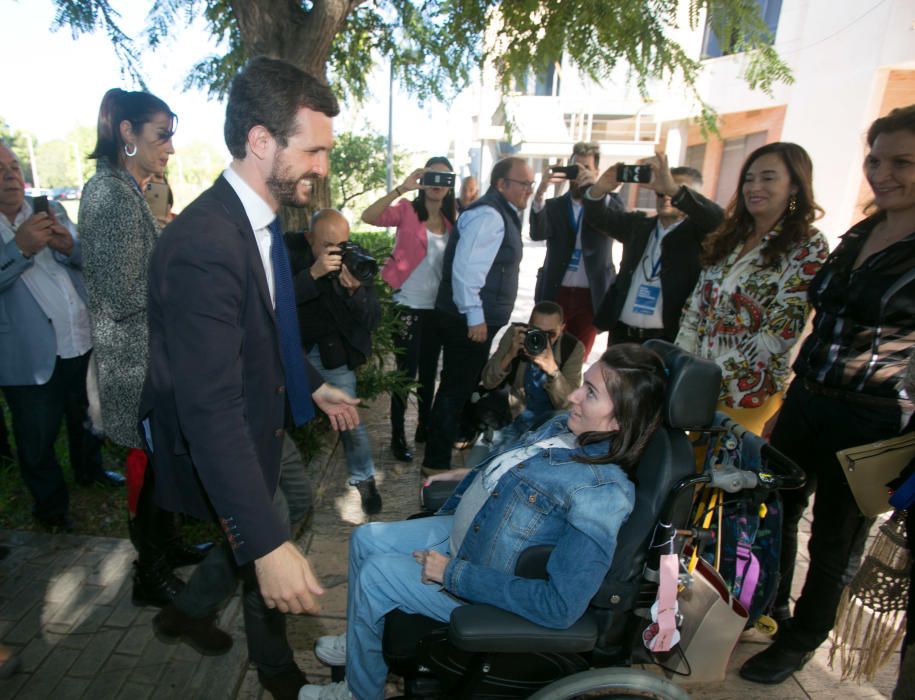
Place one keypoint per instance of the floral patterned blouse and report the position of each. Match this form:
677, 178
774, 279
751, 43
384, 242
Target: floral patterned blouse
747, 317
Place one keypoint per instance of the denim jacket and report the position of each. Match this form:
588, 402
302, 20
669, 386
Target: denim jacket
548, 499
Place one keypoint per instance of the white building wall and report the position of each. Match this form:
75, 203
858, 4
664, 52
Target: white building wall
837, 51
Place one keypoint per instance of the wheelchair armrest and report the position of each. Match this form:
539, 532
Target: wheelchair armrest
484, 628
433, 496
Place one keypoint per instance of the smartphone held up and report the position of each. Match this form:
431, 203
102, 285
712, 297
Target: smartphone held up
569, 171
437, 178
640, 174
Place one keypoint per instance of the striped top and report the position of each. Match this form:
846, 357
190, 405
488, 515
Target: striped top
864, 327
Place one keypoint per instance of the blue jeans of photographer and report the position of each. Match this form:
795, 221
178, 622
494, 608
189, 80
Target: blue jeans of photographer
356, 445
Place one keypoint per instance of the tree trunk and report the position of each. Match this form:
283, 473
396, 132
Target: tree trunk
283, 29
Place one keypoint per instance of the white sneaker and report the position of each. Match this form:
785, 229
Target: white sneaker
331, 650
332, 691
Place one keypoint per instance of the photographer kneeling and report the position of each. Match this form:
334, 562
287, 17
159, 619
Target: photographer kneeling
338, 309
539, 364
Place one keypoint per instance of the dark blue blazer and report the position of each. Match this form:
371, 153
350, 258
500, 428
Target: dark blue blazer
554, 224
215, 388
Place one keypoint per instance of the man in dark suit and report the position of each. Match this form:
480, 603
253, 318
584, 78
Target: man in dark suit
660, 262
226, 370
578, 268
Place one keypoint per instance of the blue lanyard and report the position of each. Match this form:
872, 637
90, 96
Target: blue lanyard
573, 220
134, 180
655, 248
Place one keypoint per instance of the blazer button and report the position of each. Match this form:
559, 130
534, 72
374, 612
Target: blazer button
278, 433
281, 389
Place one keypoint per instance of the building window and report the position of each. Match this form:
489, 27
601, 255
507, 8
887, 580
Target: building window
713, 46
695, 157
733, 155
543, 83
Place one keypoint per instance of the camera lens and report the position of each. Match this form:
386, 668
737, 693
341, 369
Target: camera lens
535, 341
362, 265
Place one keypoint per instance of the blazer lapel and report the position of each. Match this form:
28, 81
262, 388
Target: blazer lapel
230, 200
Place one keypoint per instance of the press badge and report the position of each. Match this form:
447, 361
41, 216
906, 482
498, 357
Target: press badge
574, 260
646, 299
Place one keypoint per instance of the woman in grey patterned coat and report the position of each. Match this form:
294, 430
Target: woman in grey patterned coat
118, 233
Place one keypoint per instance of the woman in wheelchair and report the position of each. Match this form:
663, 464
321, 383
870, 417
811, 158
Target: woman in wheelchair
565, 484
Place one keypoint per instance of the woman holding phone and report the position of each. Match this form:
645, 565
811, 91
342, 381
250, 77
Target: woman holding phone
118, 233
414, 270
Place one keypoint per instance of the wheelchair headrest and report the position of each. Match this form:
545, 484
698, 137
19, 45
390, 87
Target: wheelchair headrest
693, 386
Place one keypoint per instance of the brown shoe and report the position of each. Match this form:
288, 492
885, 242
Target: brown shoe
285, 685
173, 626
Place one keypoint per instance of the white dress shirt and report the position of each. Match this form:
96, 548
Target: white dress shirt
634, 313
53, 290
482, 231
260, 215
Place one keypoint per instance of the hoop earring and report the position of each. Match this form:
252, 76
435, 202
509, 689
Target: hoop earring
792, 204
130, 154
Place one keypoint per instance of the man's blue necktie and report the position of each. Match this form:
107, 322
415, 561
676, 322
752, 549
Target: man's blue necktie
297, 387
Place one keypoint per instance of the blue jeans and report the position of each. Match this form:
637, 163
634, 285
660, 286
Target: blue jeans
356, 445
383, 576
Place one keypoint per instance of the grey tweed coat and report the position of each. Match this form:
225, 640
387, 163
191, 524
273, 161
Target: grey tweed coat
118, 233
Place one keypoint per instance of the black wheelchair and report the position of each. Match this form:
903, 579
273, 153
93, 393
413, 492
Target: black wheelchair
486, 652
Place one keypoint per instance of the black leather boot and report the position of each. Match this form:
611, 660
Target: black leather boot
179, 553
155, 584
399, 446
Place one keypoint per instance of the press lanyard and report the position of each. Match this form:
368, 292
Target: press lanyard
655, 249
573, 220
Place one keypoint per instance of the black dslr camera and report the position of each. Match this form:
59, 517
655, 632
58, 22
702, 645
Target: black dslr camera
535, 341
358, 261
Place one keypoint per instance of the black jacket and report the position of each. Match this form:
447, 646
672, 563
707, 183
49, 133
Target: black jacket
554, 225
679, 253
339, 323
215, 387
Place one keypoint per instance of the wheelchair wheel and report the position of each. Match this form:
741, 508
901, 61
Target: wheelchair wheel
617, 683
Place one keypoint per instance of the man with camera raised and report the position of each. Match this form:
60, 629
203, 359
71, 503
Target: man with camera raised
578, 268
338, 309
540, 364
660, 262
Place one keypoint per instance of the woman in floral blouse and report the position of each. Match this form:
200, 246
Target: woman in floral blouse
750, 304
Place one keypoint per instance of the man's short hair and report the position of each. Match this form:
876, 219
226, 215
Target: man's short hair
548, 308
270, 93
690, 173
587, 148
503, 167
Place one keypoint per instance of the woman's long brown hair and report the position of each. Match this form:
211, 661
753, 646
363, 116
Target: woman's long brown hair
796, 226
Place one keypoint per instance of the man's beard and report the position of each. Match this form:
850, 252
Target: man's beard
283, 188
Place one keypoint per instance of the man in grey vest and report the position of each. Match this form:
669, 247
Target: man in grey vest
476, 297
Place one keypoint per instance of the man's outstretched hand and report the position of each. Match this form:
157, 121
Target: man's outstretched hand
287, 582
339, 406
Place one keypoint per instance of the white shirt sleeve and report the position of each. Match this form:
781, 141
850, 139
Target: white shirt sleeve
482, 230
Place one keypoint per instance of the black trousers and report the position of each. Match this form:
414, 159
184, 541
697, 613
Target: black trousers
37, 411
419, 351
462, 362
811, 428
213, 583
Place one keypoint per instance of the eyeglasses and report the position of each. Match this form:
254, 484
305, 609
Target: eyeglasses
525, 184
